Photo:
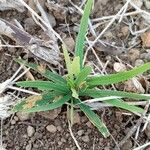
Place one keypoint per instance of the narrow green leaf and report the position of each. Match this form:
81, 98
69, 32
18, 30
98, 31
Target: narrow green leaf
116, 102
94, 118
118, 77
121, 104
31, 101
82, 31
58, 103
68, 61
83, 75
44, 72
76, 66
103, 93
44, 85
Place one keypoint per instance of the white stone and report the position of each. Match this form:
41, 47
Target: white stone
51, 128
147, 4
30, 131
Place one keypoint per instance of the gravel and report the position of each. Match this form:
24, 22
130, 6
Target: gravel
51, 128
30, 131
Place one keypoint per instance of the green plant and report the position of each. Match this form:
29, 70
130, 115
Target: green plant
73, 88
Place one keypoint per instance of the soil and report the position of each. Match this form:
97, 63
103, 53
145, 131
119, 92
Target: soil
40, 131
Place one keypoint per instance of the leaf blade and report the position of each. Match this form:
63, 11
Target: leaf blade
118, 77
46, 73
116, 102
51, 106
102, 93
44, 85
83, 75
82, 31
94, 118
121, 104
32, 100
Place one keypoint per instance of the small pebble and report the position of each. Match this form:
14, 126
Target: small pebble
59, 128
127, 145
89, 124
145, 39
80, 132
16, 118
70, 43
76, 118
139, 62
51, 19
60, 143
147, 4
29, 147
23, 116
63, 140
30, 131
138, 3
51, 128
125, 30
106, 148
85, 138
133, 54
13, 121
2, 148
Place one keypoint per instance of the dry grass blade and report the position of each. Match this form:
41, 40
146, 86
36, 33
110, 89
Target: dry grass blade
37, 46
9, 5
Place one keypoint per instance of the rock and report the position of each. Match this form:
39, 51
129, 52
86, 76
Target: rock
89, 124
59, 11
119, 67
147, 4
23, 116
76, 118
138, 3
63, 140
139, 62
108, 35
60, 143
70, 43
125, 30
133, 54
146, 17
59, 128
147, 131
85, 139
2, 148
52, 114
80, 132
30, 131
13, 121
51, 19
129, 86
127, 145
29, 147
16, 118
107, 148
145, 39
29, 24
51, 128
145, 56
